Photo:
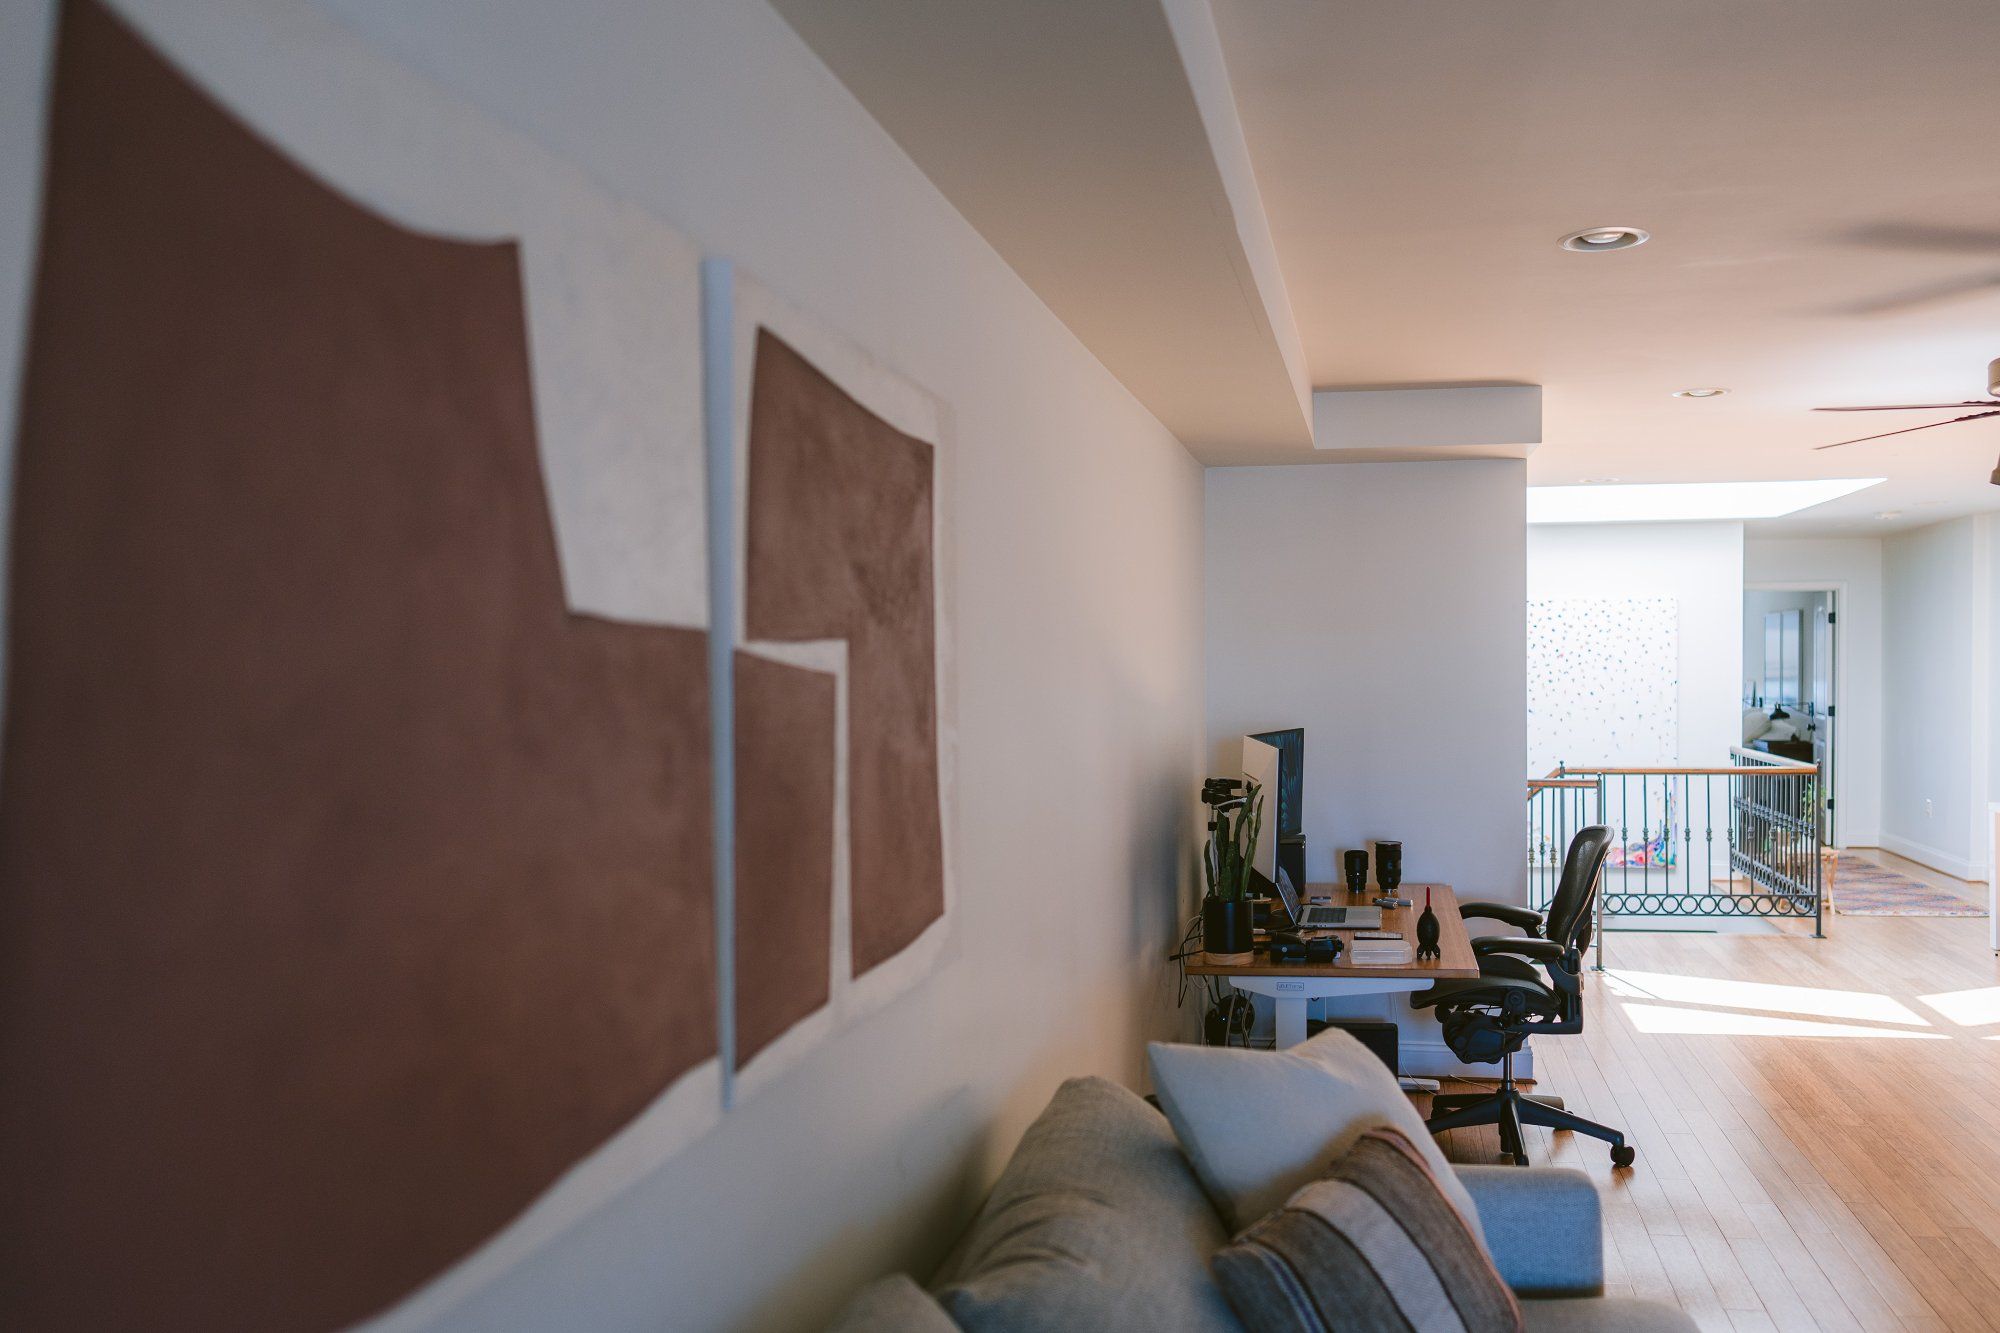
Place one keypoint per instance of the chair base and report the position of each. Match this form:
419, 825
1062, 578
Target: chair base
1510, 1109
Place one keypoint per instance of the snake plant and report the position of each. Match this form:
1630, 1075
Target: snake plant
1232, 841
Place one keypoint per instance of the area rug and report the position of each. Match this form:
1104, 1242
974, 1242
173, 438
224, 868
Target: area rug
1863, 888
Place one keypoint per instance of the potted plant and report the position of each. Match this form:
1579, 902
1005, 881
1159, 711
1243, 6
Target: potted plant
1235, 814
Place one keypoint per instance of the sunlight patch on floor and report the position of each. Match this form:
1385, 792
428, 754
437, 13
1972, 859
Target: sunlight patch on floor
1675, 988
1967, 1008
1662, 1020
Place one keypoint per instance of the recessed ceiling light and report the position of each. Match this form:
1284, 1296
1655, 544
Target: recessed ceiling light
1699, 393
1591, 240
1685, 501
1887, 514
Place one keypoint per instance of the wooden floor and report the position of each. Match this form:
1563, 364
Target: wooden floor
1804, 1161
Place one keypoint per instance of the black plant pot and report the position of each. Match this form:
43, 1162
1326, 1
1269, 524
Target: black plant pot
1226, 928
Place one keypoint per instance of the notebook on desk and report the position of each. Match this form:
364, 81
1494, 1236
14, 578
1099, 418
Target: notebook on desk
1320, 916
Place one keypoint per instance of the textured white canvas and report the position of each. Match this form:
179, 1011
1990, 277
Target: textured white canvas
1603, 682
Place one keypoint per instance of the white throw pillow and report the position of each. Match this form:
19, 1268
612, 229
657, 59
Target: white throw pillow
1258, 1125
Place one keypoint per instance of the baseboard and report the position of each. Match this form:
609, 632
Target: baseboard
1433, 1059
1942, 862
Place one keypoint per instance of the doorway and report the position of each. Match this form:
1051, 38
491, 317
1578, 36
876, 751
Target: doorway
1791, 684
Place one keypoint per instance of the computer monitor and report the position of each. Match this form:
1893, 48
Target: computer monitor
1260, 765
1284, 802
1275, 760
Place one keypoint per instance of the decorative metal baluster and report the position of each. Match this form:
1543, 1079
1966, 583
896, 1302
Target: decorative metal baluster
1687, 835
1598, 791
1624, 843
1708, 834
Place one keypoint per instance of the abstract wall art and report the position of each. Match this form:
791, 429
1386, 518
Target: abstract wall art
421, 565
842, 639
357, 915
1603, 681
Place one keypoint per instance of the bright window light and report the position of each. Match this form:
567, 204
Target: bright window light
1811, 1000
1968, 1008
1686, 501
1663, 1020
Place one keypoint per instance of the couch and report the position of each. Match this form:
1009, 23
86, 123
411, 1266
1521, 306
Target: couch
1098, 1222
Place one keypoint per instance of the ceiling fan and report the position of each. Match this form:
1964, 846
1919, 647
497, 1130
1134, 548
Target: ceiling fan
1916, 237
1990, 404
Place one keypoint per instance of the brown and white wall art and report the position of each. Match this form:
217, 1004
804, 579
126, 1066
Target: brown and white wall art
843, 756
364, 764
357, 906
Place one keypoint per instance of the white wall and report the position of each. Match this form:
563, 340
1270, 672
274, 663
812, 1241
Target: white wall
1079, 643
1700, 566
1935, 695
1378, 606
1852, 568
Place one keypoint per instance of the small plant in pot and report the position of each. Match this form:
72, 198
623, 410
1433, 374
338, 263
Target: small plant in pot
1235, 814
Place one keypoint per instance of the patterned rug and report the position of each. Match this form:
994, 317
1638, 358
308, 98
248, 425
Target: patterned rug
1863, 888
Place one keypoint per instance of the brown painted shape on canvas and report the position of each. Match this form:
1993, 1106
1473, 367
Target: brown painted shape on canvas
351, 889
840, 547
784, 847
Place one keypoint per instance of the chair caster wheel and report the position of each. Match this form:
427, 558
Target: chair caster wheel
1623, 1155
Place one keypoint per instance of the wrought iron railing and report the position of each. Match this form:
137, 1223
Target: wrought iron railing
1740, 841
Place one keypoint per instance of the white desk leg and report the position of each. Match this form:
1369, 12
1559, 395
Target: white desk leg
1290, 996
1289, 1011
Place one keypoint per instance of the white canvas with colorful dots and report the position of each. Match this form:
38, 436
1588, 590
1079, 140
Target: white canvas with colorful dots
1603, 682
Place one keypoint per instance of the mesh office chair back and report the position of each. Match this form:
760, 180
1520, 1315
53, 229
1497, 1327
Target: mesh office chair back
1568, 921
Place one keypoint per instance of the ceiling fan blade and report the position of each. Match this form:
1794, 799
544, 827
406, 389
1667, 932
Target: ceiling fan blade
1913, 407
1924, 236
1970, 416
1928, 294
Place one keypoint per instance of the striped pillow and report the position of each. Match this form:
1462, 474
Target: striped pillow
1373, 1246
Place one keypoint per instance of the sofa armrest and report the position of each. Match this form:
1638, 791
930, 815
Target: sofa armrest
893, 1304
1543, 1225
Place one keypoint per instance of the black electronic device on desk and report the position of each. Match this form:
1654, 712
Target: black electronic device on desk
1289, 947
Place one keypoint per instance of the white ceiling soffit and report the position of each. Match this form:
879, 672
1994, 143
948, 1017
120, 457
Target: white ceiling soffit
1094, 143
1399, 425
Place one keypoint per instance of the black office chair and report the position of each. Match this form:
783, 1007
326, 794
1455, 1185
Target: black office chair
1528, 984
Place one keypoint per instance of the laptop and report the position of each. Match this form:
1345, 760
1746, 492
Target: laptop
1320, 916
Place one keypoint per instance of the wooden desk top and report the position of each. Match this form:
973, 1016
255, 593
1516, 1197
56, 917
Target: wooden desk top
1454, 944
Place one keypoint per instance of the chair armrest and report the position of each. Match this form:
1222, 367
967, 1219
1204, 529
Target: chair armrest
1542, 951
1543, 1226
1520, 918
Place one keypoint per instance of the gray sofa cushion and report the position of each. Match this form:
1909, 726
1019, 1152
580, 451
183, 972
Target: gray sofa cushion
1602, 1315
893, 1304
1544, 1227
1097, 1223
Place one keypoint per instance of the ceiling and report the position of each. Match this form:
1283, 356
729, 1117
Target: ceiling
1094, 143
1419, 160
1356, 194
